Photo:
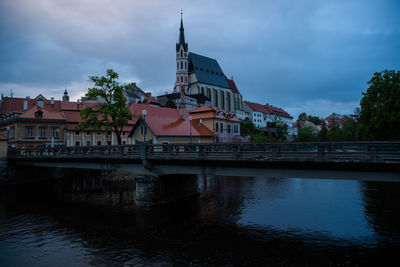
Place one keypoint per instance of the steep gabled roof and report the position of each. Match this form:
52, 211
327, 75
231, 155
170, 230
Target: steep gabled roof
207, 70
233, 86
167, 121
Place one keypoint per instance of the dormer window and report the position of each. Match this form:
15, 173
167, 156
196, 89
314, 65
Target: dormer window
38, 114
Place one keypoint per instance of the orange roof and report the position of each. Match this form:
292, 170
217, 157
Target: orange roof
167, 121
16, 105
206, 112
257, 107
232, 85
31, 114
277, 111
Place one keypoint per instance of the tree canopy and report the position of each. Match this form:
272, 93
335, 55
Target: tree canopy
380, 108
112, 112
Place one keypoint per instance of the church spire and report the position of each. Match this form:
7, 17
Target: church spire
182, 36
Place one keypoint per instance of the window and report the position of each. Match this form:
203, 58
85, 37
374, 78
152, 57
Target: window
181, 65
222, 128
29, 131
228, 128
202, 90
209, 93
181, 53
223, 99
109, 143
186, 79
177, 65
143, 130
124, 141
42, 131
185, 65
77, 143
216, 127
109, 133
123, 133
77, 133
55, 132
181, 79
235, 129
99, 143
87, 143
88, 133
216, 97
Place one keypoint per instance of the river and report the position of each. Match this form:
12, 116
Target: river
233, 221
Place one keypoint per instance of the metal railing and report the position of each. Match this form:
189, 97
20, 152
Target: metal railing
386, 152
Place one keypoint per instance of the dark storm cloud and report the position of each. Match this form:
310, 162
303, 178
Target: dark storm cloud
312, 56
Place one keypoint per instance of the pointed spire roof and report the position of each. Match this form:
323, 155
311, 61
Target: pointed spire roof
182, 37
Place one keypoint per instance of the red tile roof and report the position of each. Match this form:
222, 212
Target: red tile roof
9, 105
53, 115
206, 112
167, 121
257, 107
232, 85
277, 111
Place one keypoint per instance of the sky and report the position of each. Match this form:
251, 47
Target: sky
313, 56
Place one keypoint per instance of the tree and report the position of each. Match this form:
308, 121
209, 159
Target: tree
248, 128
112, 113
306, 133
380, 108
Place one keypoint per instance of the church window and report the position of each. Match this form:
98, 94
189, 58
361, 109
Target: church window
181, 79
216, 97
229, 101
222, 100
181, 65
177, 65
185, 65
181, 54
209, 93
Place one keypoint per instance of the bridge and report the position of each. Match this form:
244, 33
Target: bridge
367, 161
245, 159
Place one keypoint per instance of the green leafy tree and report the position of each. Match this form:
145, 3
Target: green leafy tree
306, 133
112, 113
380, 108
322, 134
248, 128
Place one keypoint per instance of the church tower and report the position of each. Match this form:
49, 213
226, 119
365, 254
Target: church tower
65, 98
182, 62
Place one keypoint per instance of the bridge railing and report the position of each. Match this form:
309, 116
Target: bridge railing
322, 151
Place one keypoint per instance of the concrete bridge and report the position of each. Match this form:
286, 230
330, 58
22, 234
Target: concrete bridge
219, 159
372, 161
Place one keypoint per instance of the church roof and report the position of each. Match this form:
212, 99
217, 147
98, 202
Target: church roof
207, 70
181, 38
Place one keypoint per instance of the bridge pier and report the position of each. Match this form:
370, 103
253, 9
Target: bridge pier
147, 190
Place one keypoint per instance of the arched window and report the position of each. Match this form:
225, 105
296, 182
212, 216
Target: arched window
222, 100
185, 65
181, 54
209, 93
186, 79
177, 65
216, 97
181, 79
229, 101
181, 65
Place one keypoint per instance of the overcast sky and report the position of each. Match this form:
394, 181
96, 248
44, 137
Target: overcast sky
308, 55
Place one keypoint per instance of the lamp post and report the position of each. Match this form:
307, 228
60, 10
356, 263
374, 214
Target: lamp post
190, 121
144, 112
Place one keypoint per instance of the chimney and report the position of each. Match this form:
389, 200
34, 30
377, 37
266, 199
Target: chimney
182, 111
52, 100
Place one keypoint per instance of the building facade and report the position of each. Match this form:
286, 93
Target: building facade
200, 75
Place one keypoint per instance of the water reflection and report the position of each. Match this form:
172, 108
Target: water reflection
234, 221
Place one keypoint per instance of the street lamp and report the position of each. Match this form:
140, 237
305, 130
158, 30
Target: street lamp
190, 120
144, 112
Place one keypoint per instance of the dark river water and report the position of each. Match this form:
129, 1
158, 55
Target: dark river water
234, 221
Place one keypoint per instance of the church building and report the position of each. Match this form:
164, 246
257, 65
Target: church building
197, 75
